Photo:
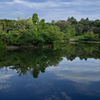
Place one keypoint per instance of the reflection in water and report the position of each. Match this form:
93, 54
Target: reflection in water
67, 72
35, 61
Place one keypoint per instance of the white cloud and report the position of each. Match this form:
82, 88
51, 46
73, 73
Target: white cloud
51, 10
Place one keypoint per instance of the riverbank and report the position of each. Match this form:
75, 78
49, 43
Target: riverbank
27, 47
77, 40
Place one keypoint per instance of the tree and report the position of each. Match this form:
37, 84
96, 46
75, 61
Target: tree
21, 24
35, 18
3, 25
69, 29
29, 23
82, 20
54, 33
53, 21
90, 35
72, 20
62, 24
87, 19
79, 28
1, 28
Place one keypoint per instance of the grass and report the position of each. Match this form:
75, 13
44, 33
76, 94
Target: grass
79, 37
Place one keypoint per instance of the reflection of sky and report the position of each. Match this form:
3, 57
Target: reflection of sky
4, 81
85, 74
70, 80
78, 70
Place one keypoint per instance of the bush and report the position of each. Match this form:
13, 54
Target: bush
90, 35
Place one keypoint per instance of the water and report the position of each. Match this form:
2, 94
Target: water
68, 72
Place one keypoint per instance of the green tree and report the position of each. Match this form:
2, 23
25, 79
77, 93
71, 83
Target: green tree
21, 24
87, 19
53, 21
54, 33
90, 35
3, 25
41, 25
29, 24
35, 18
72, 20
79, 28
69, 29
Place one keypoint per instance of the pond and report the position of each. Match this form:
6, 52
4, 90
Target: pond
65, 72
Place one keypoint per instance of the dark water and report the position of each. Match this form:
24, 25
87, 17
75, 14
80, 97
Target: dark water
66, 72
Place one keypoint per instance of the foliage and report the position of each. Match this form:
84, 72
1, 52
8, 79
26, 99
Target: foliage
72, 20
79, 28
35, 18
54, 33
91, 36
69, 29
25, 32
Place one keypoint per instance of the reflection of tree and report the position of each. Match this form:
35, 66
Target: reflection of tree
36, 61
32, 61
81, 50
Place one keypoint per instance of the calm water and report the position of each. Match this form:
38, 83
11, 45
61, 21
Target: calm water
66, 72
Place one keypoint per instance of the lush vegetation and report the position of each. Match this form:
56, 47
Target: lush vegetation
28, 32
32, 31
84, 29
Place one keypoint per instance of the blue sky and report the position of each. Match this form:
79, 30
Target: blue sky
50, 9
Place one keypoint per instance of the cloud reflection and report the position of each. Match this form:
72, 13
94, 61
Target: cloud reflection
66, 96
4, 82
3, 78
77, 70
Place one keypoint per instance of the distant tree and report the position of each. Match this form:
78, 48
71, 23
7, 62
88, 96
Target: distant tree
87, 19
72, 20
97, 23
62, 24
82, 19
79, 28
35, 18
53, 21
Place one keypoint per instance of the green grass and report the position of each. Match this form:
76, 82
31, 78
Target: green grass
79, 37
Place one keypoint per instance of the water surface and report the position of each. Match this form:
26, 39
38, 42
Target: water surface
66, 72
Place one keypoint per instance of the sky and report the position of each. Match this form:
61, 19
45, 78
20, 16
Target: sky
50, 9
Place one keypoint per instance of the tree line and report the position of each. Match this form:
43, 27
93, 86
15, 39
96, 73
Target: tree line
85, 27
33, 31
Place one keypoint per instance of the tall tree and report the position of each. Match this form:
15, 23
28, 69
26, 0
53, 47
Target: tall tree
72, 20
35, 18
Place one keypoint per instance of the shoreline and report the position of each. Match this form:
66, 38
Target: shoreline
26, 47
76, 40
